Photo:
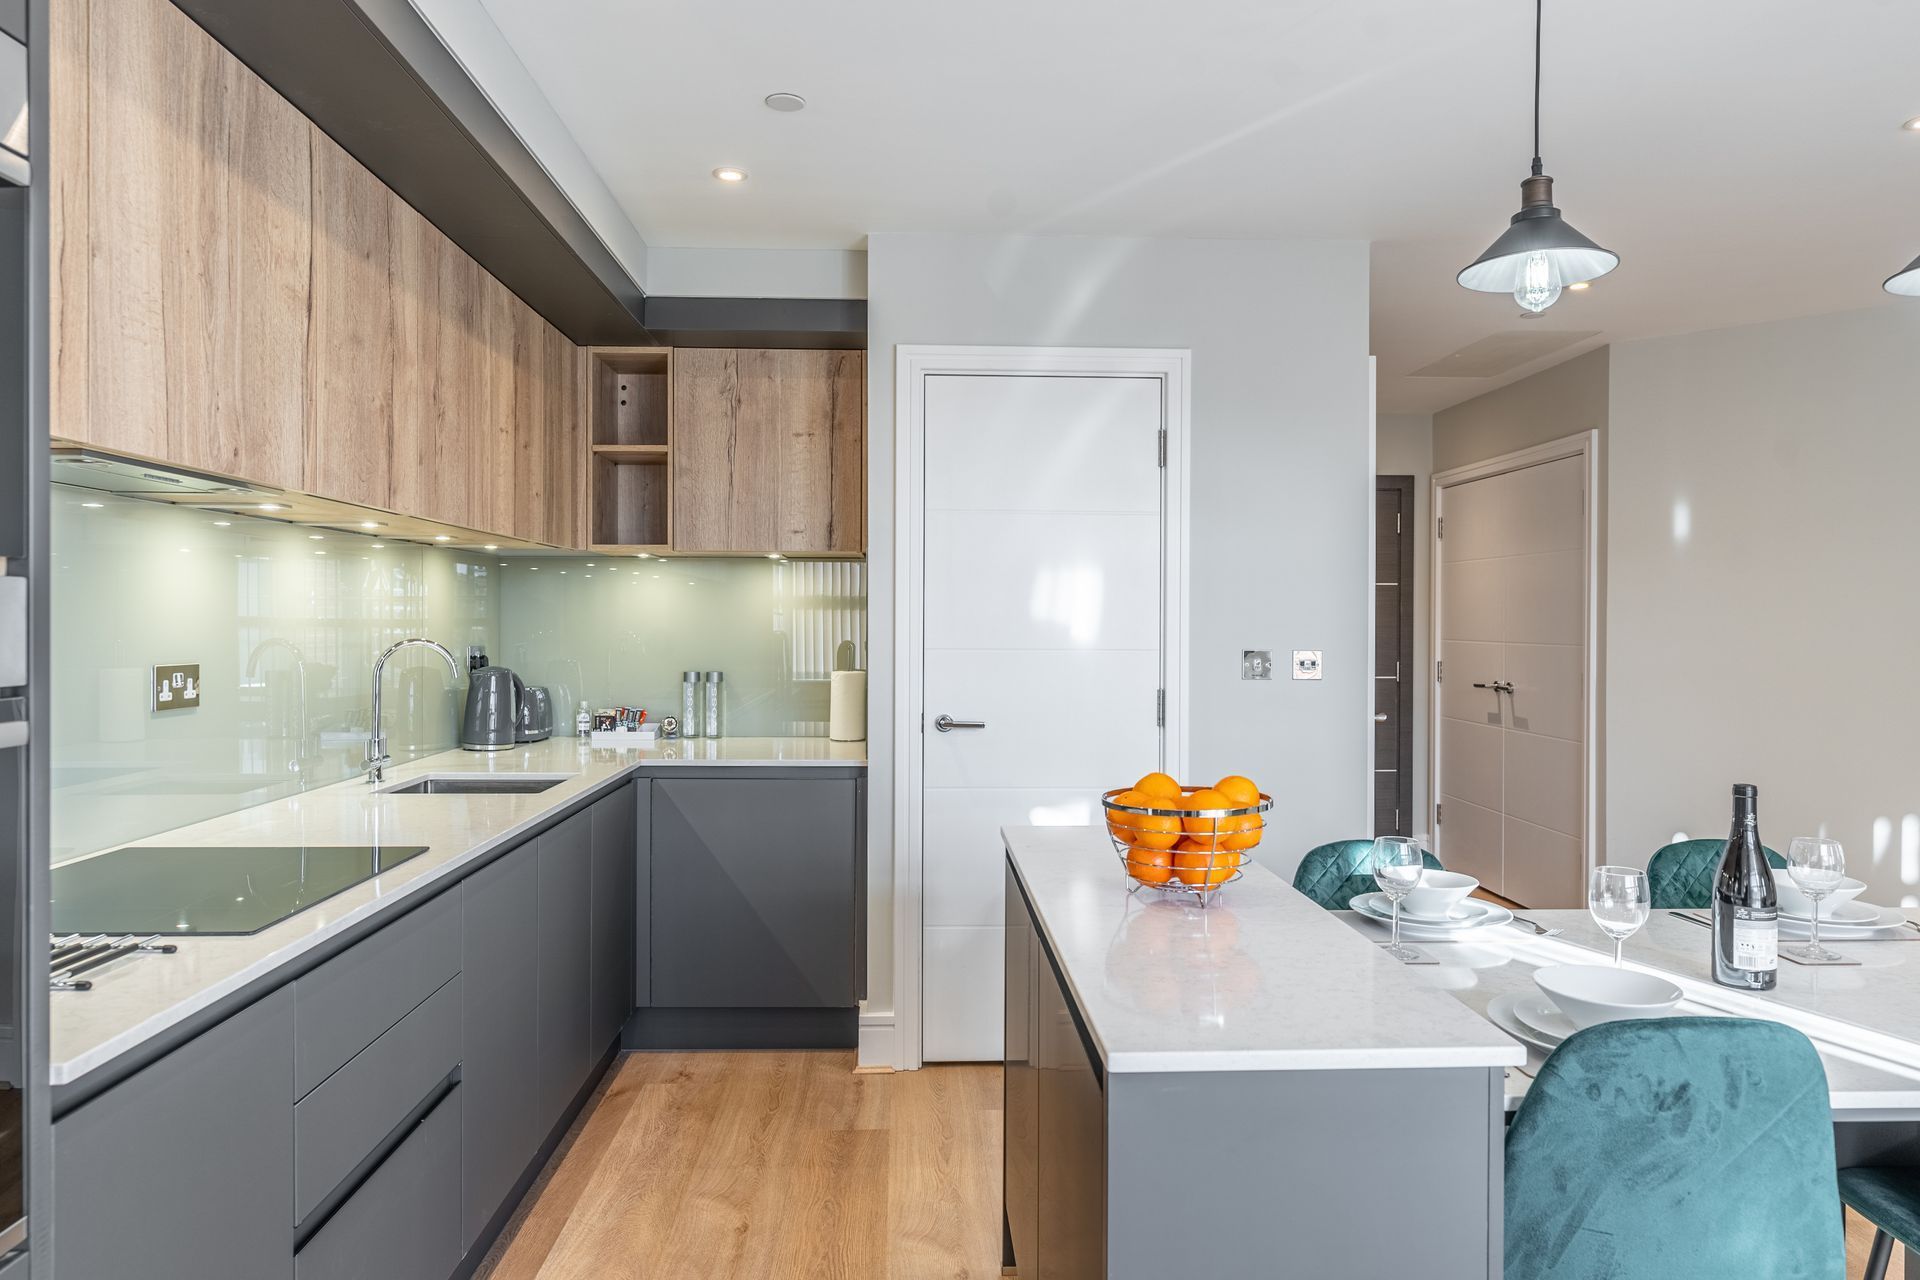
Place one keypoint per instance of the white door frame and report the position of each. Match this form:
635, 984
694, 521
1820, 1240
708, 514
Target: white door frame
1586, 445
913, 365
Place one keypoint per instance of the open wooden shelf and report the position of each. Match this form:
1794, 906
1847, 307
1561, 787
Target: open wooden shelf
636, 453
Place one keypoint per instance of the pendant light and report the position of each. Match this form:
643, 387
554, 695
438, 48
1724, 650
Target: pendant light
1539, 254
1905, 283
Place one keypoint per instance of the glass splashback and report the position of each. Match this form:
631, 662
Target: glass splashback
619, 632
284, 626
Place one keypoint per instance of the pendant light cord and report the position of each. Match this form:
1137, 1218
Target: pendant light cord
1537, 4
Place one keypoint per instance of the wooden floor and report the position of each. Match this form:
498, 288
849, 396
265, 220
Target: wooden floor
733, 1166
743, 1165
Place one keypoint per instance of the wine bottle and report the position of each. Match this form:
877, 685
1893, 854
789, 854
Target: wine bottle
1746, 912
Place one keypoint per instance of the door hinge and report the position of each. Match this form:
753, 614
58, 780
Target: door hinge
1160, 708
1439, 671
1436, 814
1163, 446
1440, 527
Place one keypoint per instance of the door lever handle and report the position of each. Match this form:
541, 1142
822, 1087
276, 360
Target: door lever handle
1498, 686
947, 724
1379, 717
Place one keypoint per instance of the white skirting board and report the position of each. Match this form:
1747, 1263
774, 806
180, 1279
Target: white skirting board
879, 1040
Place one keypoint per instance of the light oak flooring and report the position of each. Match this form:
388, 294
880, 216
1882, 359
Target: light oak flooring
731, 1166
746, 1165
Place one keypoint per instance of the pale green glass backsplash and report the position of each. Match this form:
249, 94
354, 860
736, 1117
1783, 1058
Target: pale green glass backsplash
138, 584
141, 583
619, 632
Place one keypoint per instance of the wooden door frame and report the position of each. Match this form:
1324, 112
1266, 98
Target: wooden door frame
1584, 445
1403, 687
913, 365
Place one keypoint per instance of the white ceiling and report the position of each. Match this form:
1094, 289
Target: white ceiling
1744, 157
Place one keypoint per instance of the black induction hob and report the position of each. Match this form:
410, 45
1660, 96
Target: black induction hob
185, 890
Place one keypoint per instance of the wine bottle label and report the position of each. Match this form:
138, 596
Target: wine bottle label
1756, 941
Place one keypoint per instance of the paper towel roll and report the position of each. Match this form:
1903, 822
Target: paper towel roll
847, 707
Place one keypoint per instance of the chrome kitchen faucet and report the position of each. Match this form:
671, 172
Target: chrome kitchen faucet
377, 757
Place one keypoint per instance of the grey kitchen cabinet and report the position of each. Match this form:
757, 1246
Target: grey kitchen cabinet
403, 1222
501, 1116
753, 885
565, 958
185, 1168
1021, 1154
615, 855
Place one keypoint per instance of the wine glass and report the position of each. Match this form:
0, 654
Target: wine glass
1817, 866
1397, 864
1620, 901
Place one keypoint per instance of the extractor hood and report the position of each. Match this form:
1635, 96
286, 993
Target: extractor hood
103, 471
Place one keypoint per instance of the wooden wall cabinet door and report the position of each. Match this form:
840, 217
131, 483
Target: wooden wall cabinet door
769, 451
350, 356
198, 250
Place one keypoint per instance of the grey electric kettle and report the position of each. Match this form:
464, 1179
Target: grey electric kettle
494, 695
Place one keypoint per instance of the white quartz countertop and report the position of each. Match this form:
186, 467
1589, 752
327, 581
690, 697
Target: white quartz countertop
1263, 980
134, 999
1864, 1019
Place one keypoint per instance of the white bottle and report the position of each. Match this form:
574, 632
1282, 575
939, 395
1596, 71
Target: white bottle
583, 722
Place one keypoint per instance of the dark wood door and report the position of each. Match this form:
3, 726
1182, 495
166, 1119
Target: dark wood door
1393, 588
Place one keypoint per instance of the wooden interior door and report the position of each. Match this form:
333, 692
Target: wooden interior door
1393, 587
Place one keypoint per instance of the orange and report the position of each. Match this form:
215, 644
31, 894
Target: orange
1240, 792
1242, 832
1158, 784
1150, 832
1204, 870
1121, 823
1150, 866
1205, 798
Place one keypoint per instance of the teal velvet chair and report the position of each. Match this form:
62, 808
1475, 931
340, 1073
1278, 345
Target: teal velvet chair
1333, 875
1890, 1200
1695, 1147
1680, 875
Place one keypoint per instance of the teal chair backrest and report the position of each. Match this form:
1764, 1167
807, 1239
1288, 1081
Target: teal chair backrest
1680, 875
1696, 1147
1333, 875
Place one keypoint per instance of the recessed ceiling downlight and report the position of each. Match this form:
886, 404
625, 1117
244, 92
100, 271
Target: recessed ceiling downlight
730, 173
785, 101
1912, 125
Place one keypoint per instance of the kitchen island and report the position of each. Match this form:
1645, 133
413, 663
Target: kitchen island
1225, 1092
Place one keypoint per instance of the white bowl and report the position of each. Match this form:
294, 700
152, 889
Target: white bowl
1590, 994
1437, 894
1795, 903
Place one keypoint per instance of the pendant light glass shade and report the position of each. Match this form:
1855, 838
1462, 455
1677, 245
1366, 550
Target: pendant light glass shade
1906, 283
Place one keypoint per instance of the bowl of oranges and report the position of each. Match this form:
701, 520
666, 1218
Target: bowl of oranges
1180, 839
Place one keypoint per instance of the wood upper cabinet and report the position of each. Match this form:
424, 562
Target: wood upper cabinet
350, 337
769, 451
196, 254
234, 293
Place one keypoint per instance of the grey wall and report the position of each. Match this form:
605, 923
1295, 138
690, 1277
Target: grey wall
1403, 446
1281, 482
1551, 405
1762, 618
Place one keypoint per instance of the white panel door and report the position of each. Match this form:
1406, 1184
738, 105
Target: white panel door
1042, 616
1512, 703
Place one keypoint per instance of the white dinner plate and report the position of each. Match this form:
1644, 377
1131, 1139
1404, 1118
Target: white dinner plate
1474, 916
1500, 1012
1840, 913
1543, 1016
1883, 918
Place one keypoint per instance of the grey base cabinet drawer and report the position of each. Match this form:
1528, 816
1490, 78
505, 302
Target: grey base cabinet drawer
344, 1005
404, 1222
184, 1170
347, 1116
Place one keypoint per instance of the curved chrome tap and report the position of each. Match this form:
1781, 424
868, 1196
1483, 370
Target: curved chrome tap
377, 757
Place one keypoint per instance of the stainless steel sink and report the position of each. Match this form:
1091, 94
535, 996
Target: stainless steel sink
463, 784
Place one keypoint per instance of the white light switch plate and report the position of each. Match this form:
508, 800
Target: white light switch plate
1306, 664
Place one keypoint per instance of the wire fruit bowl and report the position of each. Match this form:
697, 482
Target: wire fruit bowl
1196, 852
